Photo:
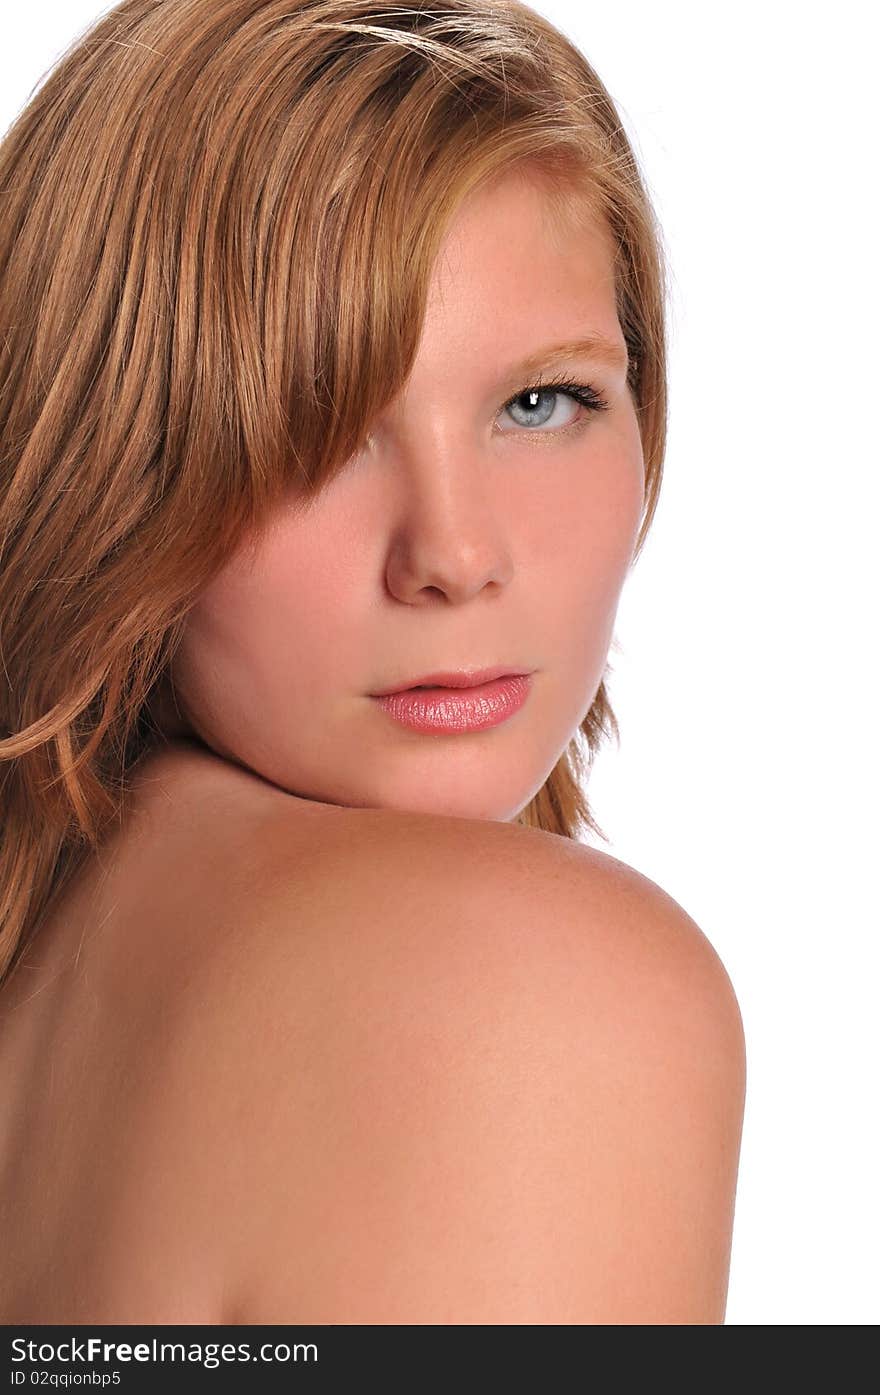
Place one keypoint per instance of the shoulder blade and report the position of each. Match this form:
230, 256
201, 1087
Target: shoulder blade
470, 1078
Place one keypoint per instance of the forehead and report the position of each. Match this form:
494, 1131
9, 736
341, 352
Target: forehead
515, 262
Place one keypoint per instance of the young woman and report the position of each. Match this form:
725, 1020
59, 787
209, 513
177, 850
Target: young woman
333, 367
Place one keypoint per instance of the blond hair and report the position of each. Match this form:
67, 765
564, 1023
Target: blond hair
218, 221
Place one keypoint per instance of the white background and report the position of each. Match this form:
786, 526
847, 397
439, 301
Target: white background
743, 666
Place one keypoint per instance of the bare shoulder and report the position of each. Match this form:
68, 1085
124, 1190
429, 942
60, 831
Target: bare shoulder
451, 1071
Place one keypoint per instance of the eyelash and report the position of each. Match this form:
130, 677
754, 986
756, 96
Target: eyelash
583, 393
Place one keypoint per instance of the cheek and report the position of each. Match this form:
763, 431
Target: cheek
588, 561
276, 620
585, 518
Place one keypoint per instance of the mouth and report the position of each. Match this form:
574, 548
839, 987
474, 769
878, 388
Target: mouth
472, 704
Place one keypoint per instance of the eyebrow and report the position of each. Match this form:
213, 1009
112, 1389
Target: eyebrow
597, 346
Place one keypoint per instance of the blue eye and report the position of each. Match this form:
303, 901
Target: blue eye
536, 403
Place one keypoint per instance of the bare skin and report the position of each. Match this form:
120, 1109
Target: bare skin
77, 1024
162, 1048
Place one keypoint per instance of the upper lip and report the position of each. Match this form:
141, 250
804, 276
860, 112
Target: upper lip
465, 678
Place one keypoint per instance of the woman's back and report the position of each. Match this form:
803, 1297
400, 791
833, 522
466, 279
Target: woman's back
85, 1026
313, 1064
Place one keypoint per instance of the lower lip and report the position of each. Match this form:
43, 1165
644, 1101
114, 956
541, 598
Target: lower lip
458, 709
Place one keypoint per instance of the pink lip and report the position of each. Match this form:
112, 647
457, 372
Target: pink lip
472, 679
445, 709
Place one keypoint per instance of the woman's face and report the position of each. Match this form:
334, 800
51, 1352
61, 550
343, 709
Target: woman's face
466, 535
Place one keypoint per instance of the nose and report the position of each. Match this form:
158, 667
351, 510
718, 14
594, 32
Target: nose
448, 538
